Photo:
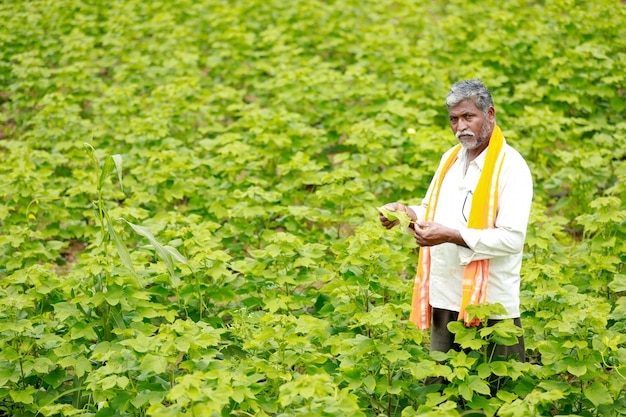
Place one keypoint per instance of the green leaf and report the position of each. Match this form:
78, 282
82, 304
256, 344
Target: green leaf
507, 397
23, 396
598, 394
401, 216
499, 368
122, 401
154, 363
83, 330
82, 366
117, 158
369, 382
168, 254
577, 370
121, 248
467, 337
106, 412
478, 385
107, 168
618, 283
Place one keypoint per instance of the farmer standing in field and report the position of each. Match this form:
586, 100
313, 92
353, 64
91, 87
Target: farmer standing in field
471, 224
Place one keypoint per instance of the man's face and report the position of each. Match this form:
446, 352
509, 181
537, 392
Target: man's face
470, 125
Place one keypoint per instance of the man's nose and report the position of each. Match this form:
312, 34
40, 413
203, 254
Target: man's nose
461, 125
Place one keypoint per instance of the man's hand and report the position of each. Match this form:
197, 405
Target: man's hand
396, 207
431, 234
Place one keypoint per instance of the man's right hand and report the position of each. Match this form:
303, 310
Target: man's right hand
396, 207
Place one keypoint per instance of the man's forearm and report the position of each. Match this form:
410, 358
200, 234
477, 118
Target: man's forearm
457, 239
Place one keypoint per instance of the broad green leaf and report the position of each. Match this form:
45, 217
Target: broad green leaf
618, 283
23, 396
506, 396
577, 370
466, 337
82, 366
499, 368
154, 363
83, 330
598, 394
401, 216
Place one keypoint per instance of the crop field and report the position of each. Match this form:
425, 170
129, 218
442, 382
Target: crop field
189, 193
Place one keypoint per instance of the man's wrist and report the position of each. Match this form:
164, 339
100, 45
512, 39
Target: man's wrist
457, 238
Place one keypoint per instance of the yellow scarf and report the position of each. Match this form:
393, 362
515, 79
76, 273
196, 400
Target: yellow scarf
482, 216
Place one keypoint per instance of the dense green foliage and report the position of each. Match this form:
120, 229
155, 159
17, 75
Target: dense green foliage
189, 191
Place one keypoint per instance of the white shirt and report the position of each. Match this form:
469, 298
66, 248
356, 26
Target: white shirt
503, 245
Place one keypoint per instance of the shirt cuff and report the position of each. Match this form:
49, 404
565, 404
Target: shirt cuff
470, 237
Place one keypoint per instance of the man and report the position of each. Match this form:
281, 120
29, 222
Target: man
471, 224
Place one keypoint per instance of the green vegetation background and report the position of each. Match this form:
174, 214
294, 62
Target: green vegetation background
188, 193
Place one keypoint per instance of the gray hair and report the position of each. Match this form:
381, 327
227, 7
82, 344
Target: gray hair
473, 90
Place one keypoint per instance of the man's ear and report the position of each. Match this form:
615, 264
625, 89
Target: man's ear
491, 115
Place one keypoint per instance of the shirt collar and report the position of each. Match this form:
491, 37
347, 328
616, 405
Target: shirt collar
479, 160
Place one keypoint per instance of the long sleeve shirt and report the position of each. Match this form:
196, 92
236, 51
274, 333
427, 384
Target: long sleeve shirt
503, 244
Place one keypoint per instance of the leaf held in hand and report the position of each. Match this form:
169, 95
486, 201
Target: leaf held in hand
393, 215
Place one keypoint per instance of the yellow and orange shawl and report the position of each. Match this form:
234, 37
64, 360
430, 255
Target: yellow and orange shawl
482, 216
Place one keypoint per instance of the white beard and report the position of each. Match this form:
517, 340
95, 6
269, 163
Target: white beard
474, 141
